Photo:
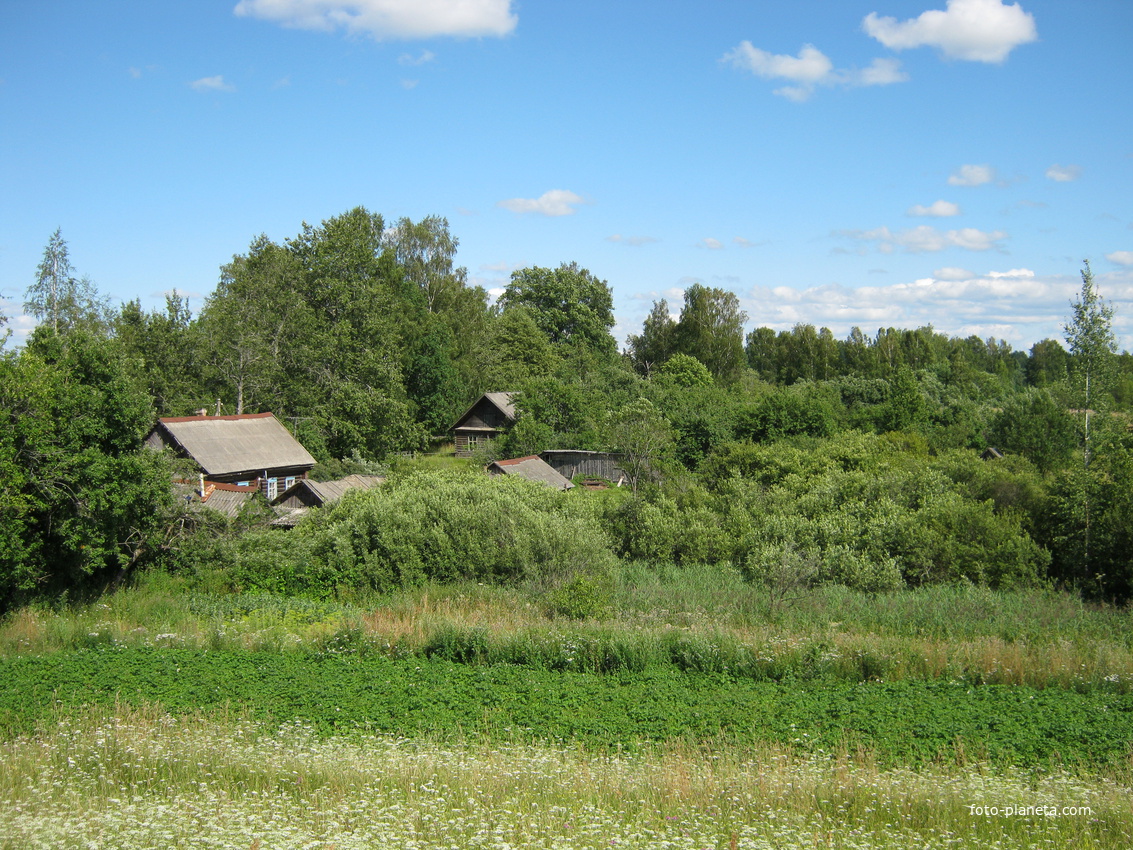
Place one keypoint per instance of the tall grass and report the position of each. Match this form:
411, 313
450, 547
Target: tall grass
137, 777
701, 619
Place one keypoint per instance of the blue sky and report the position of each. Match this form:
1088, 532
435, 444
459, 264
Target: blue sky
877, 163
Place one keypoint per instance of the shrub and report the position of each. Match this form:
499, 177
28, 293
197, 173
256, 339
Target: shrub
429, 526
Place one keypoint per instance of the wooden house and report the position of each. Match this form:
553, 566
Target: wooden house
533, 468
294, 502
249, 451
485, 420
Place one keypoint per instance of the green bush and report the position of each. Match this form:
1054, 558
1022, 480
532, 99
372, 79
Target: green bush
429, 526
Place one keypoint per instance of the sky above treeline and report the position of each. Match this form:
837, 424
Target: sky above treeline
882, 163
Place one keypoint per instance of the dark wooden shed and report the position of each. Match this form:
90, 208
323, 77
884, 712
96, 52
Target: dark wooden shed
485, 420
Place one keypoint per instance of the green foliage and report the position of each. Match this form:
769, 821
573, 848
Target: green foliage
697, 699
584, 596
684, 370
710, 329
58, 299
568, 304
1088, 522
80, 496
869, 514
1036, 426
654, 345
428, 527
787, 413
644, 440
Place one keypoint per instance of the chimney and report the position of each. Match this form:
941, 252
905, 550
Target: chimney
202, 476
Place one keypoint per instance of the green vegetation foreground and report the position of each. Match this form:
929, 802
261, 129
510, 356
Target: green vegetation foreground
907, 722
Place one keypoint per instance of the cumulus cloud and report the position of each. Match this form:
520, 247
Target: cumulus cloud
632, 241
388, 19
216, 83
974, 30
972, 175
1063, 173
711, 244
952, 273
553, 203
925, 239
1018, 305
1122, 258
810, 69
937, 209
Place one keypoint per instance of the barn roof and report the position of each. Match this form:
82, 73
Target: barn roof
504, 402
533, 468
226, 445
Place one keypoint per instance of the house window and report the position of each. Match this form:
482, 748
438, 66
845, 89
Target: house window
272, 488
288, 482
472, 442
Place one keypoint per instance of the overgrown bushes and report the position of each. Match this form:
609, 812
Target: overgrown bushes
430, 527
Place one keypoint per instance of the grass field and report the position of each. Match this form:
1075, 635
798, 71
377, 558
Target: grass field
467, 717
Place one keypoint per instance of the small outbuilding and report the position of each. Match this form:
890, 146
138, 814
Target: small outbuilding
533, 468
574, 463
485, 420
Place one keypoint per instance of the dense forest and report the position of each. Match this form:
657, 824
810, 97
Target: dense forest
796, 457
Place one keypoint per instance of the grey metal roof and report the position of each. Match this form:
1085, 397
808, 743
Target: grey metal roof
226, 445
532, 468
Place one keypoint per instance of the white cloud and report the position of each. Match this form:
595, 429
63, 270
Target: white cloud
388, 19
711, 244
952, 273
1017, 273
553, 203
409, 85
811, 68
746, 243
925, 239
938, 209
633, 241
211, 84
1122, 258
881, 72
1021, 308
410, 61
1063, 173
975, 30
972, 175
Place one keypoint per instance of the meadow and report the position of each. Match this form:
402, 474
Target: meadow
471, 716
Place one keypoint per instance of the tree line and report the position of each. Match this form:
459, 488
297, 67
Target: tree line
367, 340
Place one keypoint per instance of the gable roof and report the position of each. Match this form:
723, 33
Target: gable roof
503, 402
226, 445
228, 499
325, 492
533, 468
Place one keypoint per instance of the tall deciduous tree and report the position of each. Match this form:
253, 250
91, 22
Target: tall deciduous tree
59, 298
1093, 347
711, 330
569, 304
654, 345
